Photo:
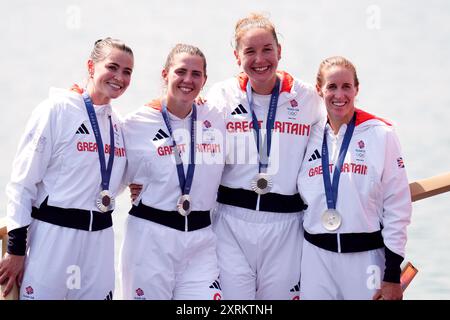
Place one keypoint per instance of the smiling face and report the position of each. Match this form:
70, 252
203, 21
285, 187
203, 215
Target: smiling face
338, 91
258, 54
184, 78
110, 77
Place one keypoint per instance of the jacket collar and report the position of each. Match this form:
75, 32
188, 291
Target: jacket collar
362, 116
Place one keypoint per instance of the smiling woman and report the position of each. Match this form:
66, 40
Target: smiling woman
55, 199
184, 75
354, 239
258, 219
258, 52
338, 89
109, 71
169, 249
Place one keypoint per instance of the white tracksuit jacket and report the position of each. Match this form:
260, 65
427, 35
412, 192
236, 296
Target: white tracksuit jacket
373, 187
57, 158
159, 261
152, 163
259, 252
297, 111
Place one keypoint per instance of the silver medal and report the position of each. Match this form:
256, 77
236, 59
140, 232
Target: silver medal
331, 219
262, 183
184, 205
105, 201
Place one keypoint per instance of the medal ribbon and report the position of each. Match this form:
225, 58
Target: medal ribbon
105, 171
331, 190
185, 181
264, 156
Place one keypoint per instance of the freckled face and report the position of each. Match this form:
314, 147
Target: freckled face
258, 54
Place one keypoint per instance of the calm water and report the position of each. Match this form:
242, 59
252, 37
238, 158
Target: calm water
400, 49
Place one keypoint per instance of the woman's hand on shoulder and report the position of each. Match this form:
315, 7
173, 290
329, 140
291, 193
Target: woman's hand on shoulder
200, 100
135, 191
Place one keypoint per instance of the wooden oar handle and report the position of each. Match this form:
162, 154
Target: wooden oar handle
429, 187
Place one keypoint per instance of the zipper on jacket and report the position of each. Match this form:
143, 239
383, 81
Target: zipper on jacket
257, 202
338, 235
90, 220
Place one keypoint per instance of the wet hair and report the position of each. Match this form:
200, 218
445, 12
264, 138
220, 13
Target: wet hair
184, 48
335, 61
102, 47
253, 20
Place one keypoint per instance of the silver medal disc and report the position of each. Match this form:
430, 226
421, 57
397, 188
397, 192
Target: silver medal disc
262, 183
105, 201
331, 219
184, 205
